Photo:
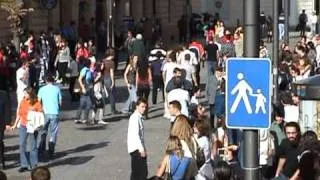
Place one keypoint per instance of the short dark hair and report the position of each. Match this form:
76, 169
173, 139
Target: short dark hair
40, 173
292, 124
141, 100
218, 68
175, 70
3, 175
175, 104
49, 78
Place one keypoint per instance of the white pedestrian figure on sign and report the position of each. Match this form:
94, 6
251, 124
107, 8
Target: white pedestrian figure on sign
260, 103
243, 89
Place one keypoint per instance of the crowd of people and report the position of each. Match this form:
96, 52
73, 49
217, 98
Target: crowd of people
200, 146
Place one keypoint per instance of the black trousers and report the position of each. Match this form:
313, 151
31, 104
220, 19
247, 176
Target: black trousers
143, 91
139, 167
62, 70
74, 96
157, 84
198, 74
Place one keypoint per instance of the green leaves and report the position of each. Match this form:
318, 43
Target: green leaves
16, 12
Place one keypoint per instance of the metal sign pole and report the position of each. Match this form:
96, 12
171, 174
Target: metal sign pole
286, 22
251, 49
275, 49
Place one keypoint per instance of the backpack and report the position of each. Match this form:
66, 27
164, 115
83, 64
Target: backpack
77, 88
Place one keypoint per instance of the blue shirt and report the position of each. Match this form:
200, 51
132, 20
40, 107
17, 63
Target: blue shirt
50, 96
178, 167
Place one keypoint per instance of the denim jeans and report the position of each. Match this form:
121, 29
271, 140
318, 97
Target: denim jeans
23, 139
219, 105
211, 66
84, 108
51, 123
111, 92
131, 99
281, 31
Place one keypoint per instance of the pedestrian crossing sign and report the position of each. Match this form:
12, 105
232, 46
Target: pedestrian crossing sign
248, 93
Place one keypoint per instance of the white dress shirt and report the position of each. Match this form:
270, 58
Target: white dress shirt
135, 138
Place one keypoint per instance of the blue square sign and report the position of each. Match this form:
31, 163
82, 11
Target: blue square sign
248, 93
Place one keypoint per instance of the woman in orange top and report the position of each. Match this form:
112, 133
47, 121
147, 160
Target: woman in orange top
30, 102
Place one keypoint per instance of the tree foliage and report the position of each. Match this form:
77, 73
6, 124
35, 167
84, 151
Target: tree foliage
16, 11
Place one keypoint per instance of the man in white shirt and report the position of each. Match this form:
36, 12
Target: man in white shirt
180, 95
193, 58
167, 74
174, 110
135, 142
22, 76
190, 71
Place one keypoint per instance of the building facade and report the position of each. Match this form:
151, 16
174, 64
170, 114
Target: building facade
81, 11
231, 11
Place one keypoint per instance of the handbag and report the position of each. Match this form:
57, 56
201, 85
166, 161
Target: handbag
35, 120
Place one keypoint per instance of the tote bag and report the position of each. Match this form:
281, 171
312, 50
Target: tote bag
35, 120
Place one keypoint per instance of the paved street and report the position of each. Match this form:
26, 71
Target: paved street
85, 152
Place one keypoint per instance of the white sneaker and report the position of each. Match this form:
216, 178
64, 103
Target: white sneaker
77, 121
83, 121
102, 122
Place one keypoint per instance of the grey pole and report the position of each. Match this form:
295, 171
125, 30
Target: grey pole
251, 49
286, 22
275, 49
109, 22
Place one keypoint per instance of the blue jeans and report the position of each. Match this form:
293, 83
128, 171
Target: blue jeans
131, 99
219, 105
211, 66
281, 31
111, 92
23, 138
84, 108
51, 123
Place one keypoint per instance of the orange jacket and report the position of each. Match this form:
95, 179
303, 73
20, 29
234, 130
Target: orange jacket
24, 107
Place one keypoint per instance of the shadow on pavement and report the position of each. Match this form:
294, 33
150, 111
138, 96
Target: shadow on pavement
155, 109
11, 148
78, 160
116, 118
92, 127
10, 135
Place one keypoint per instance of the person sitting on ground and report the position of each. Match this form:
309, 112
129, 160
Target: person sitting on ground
40, 173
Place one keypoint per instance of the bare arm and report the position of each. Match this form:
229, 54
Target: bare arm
295, 175
112, 77
163, 166
281, 163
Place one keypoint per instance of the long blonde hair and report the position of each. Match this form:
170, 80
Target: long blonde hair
182, 129
174, 146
